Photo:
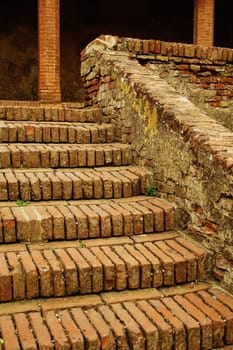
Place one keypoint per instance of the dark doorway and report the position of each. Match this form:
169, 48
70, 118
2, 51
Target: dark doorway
83, 21
18, 50
223, 29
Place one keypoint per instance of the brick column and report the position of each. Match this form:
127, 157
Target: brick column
203, 33
49, 50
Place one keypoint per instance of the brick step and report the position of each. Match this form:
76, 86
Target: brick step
72, 220
50, 113
55, 132
195, 317
52, 155
52, 184
64, 268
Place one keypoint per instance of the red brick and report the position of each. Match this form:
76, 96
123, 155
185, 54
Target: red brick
5, 280
166, 262
58, 222
120, 268
46, 288
217, 321
108, 269
158, 216
90, 334
116, 219
84, 271
24, 332
103, 329
190, 259
70, 224
60, 339
8, 333
164, 330
145, 266
41, 331
18, 280
57, 275
93, 221
73, 332
70, 271
117, 327
156, 266
192, 326
198, 315
105, 221
179, 333
135, 335
127, 218
223, 310
81, 222
96, 269
8, 224
31, 275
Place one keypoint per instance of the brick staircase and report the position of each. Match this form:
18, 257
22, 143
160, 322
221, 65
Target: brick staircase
87, 261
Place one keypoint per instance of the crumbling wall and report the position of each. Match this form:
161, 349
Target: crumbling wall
190, 154
204, 75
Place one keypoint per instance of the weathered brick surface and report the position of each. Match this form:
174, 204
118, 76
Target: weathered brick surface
84, 267
72, 220
147, 321
94, 248
169, 133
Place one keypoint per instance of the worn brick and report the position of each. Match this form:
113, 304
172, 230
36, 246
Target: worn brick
96, 269
103, 329
73, 332
192, 326
24, 332
88, 331
120, 268
156, 266
158, 216
93, 221
8, 333
127, 218
117, 327
166, 262
70, 271
178, 329
41, 331
18, 279
132, 266
84, 271
5, 280
58, 222
53, 323
56, 273
116, 219
45, 281
135, 335
108, 268
31, 275
223, 310
8, 224
70, 224
217, 321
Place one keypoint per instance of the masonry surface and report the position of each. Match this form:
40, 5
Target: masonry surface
115, 216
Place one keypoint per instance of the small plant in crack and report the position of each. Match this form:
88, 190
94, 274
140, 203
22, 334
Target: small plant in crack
81, 244
151, 190
22, 203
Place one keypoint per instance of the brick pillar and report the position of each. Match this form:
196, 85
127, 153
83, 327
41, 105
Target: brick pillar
49, 50
203, 33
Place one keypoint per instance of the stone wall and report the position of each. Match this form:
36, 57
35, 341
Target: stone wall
190, 154
204, 75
